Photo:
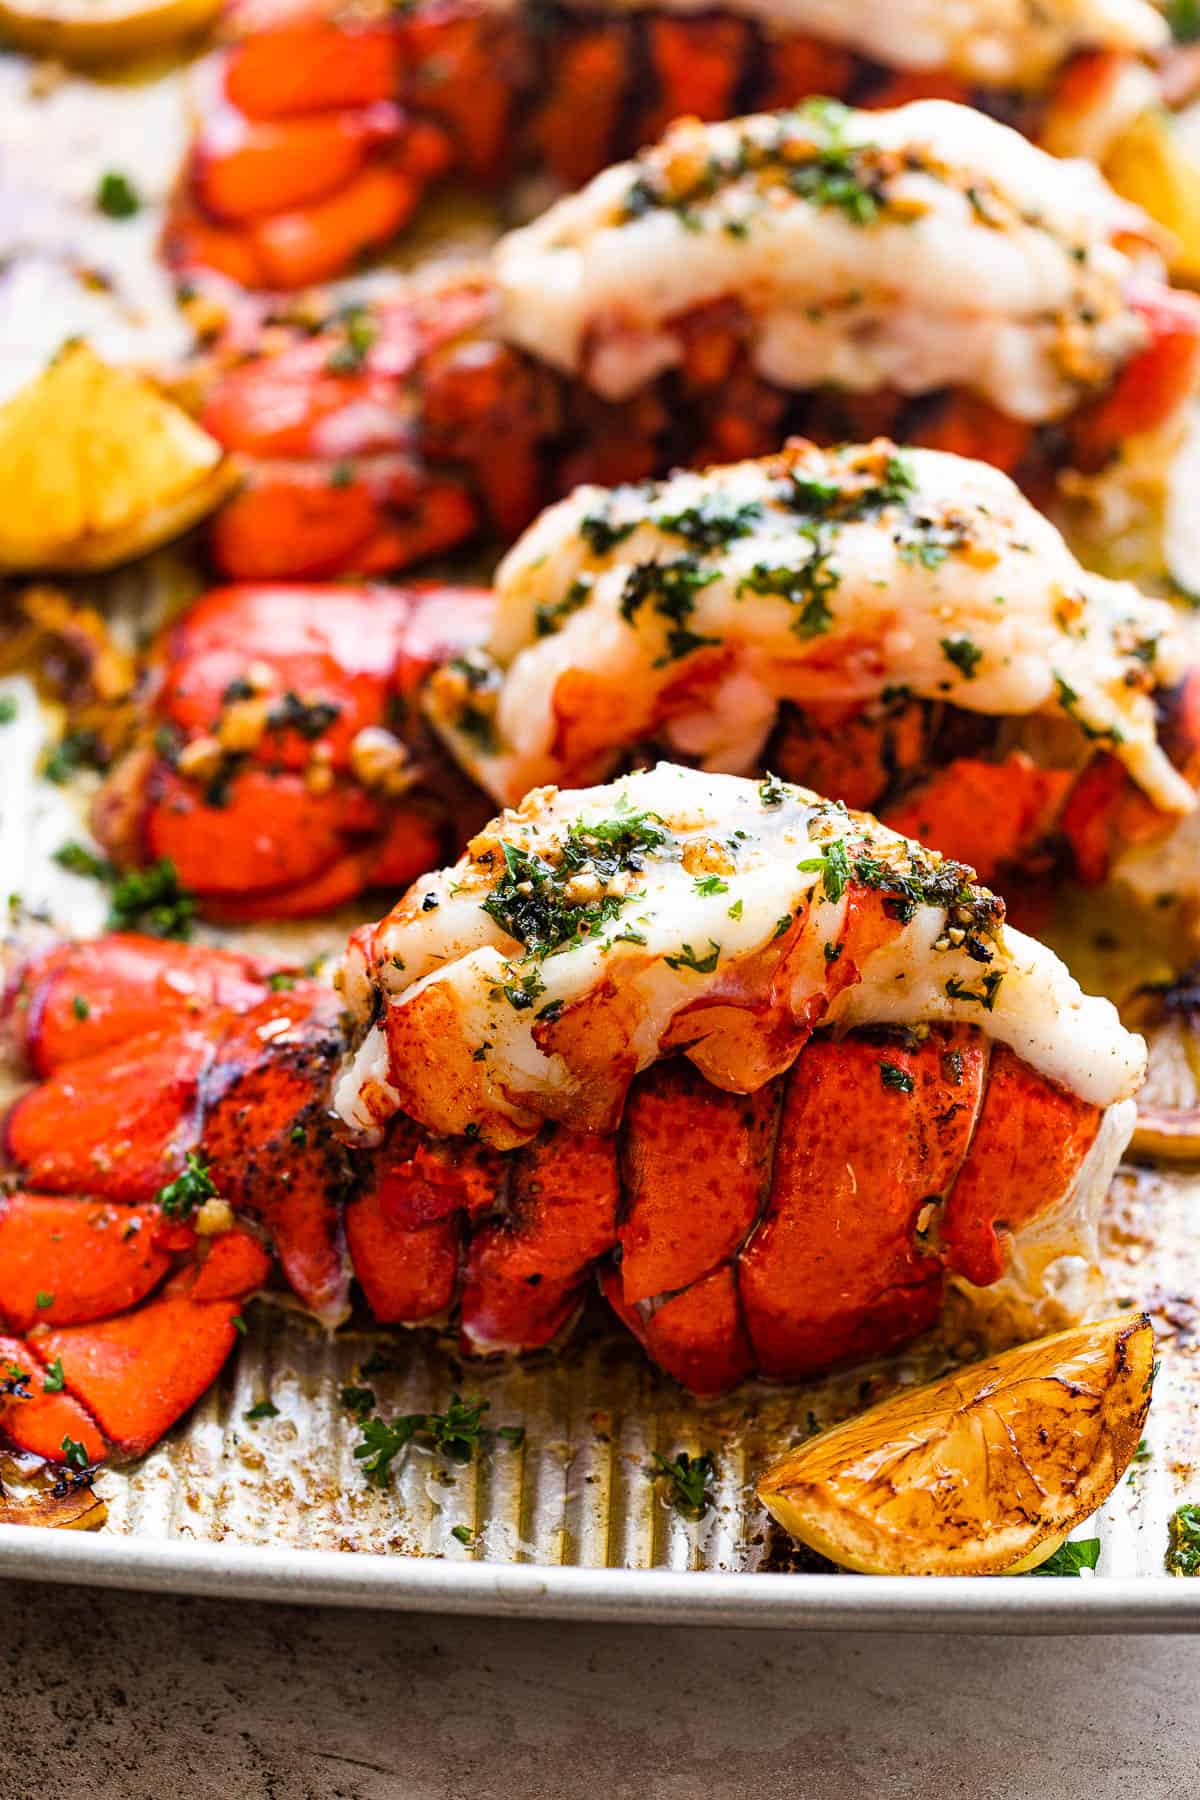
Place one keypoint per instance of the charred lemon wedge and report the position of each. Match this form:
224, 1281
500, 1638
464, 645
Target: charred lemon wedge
96, 467
1150, 164
97, 31
984, 1472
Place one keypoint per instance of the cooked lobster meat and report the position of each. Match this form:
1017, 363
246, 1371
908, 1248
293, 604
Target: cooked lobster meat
321, 125
772, 1073
898, 629
798, 271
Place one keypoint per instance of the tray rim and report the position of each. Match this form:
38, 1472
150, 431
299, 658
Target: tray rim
620, 1596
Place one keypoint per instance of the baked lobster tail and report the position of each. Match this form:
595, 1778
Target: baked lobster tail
786, 272
771, 1074
898, 629
321, 127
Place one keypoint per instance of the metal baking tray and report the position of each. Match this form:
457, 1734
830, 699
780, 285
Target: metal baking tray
570, 1523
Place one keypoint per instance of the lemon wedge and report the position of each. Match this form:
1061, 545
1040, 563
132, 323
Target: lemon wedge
96, 467
984, 1472
1149, 163
95, 31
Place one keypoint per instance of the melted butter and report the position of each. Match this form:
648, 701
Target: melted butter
841, 574
473, 1034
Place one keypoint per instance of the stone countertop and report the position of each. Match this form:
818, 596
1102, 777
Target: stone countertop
122, 1697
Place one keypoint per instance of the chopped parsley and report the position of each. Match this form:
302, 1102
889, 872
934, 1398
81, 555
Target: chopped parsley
43, 1300
54, 1378
965, 655
116, 196
550, 616
601, 535
670, 588
833, 866
806, 586
686, 958
893, 1076
455, 1434
713, 523
262, 1409
735, 911
771, 791
1183, 1540
984, 995
75, 1453
149, 899
8, 709
711, 884
529, 900
190, 1188
1183, 17
691, 1479
463, 1533
80, 1007
1071, 1558
74, 750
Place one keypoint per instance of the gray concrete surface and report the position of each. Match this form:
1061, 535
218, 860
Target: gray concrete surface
127, 1698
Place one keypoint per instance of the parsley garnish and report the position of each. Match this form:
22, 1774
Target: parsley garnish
805, 586
43, 1300
463, 1533
8, 709
149, 900
262, 1409
54, 1379
1183, 1540
116, 196
984, 995
771, 791
455, 1434
965, 655
528, 900
833, 865
180, 1198
686, 958
601, 535
671, 588
80, 1007
690, 1478
893, 1076
713, 523
1070, 1558
711, 884
549, 617
75, 1453
360, 1400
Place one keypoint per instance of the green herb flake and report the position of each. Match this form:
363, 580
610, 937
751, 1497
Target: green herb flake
711, 884
463, 1533
455, 1434
190, 1188
965, 655
833, 866
75, 1453
42, 1300
54, 1378
690, 1479
80, 1007
358, 1400
1183, 1540
1071, 1558
893, 1076
686, 958
8, 709
262, 1409
116, 196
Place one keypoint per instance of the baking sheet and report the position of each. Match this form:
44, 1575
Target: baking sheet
570, 1522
